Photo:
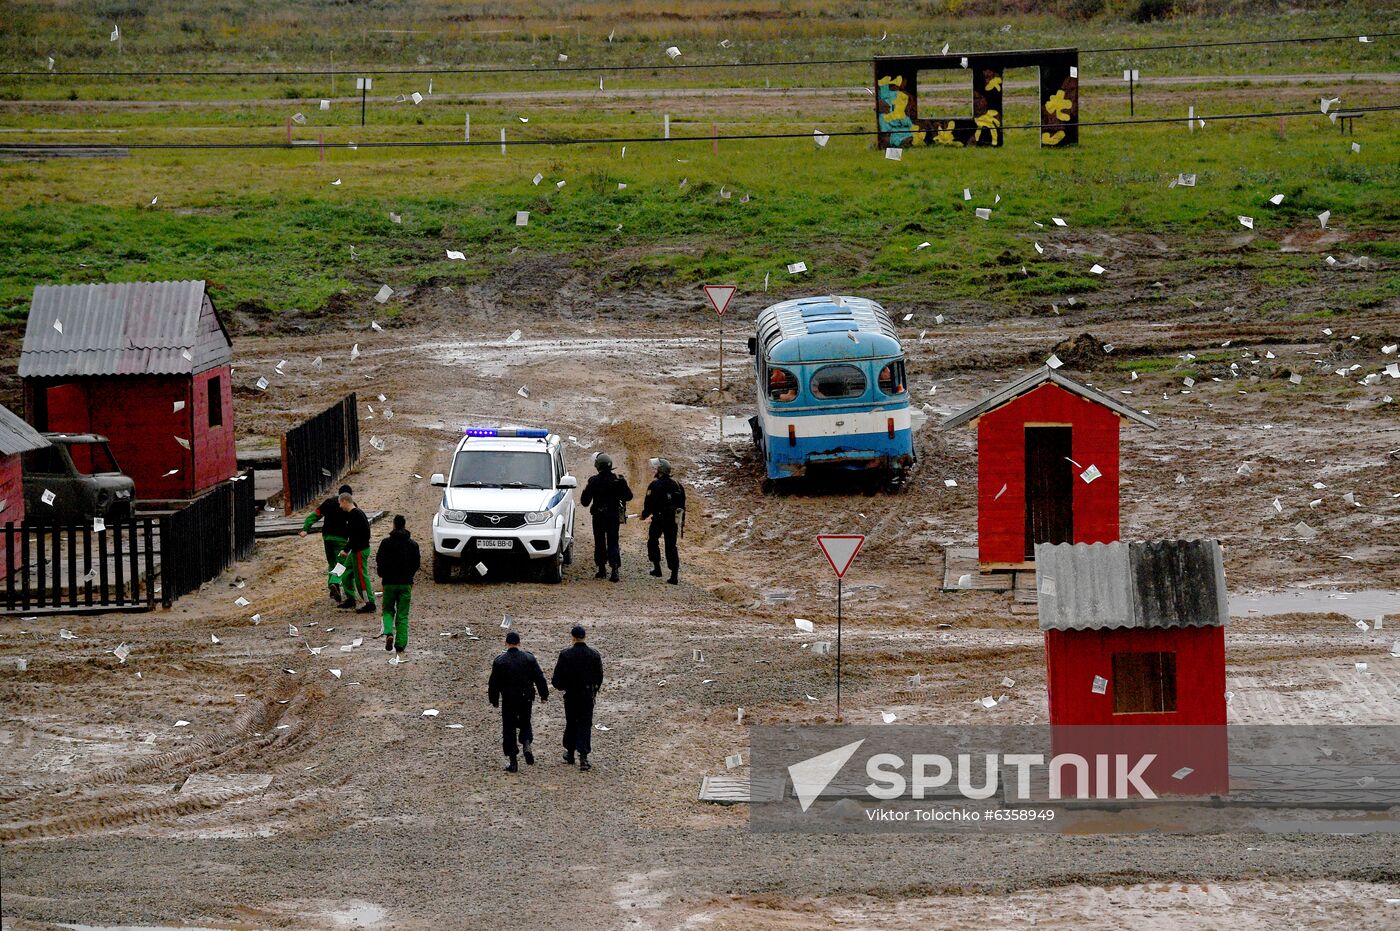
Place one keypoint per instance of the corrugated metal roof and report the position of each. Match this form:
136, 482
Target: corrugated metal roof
16, 436
1035, 379
141, 328
1156, 584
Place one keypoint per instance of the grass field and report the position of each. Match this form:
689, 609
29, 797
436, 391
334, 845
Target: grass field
272, 232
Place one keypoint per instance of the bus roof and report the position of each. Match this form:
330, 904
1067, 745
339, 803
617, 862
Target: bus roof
811, 329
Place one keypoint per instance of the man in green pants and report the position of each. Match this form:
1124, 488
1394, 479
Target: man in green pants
354, 558
397, 562
332, 520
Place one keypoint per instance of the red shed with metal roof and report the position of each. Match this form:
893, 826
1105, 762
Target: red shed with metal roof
1135, 635
1047, 466
146, 364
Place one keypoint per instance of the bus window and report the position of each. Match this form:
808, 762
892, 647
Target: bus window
782, 385
892, 378
834, 382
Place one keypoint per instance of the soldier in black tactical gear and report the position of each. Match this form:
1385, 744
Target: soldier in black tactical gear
579, 675
515, 677
606, 496
665, 505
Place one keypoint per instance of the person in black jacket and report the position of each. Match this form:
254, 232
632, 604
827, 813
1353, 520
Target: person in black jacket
332, 520
606, 496
397, 562
665, 505
354, 559
578, 673
515, 677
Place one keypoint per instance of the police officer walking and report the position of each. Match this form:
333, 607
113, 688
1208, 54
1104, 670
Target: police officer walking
579, 675
665, 505
606, 496
515, 677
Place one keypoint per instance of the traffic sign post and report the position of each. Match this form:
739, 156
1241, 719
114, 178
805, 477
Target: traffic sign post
840, 550
719, 296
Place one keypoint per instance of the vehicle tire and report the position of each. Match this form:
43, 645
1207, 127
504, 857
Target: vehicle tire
442, 568
569, 554
552, 570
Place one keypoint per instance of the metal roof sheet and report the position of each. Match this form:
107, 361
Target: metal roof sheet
1158, 584
140, 328
1034, 379
16, 436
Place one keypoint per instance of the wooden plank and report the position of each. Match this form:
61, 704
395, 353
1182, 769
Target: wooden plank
1024, 587
961, 572
740, 790
290, 526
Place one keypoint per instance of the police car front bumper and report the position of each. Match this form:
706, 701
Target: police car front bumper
532, 541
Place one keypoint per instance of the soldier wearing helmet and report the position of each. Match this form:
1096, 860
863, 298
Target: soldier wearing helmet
606, 496
665, 505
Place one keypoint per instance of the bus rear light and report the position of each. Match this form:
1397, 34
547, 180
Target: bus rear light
889, 423
792, 434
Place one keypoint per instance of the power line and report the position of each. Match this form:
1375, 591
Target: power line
629, 140
594, 69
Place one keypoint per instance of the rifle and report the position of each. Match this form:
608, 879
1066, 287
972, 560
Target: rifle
681, 511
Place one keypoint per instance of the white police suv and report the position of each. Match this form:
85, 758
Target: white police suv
506, 495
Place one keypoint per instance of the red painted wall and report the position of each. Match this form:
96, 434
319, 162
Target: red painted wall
137, 415
1074, 657
1196, 735
12, 493
215, 459
1001, 460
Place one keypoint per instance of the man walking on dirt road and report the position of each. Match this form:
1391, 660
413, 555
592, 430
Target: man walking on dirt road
332, 520
397, 561
515, 677
665, 505
355, 557
578, 673
606, 496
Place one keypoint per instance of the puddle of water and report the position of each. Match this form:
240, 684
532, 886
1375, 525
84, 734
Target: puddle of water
737, 427
1363, 605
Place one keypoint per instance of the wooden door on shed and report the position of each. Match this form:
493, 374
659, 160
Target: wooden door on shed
1049, 487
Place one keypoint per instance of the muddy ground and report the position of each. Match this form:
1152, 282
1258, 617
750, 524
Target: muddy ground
376, 816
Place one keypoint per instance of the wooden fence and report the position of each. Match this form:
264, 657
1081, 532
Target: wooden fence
316, 454
128, 565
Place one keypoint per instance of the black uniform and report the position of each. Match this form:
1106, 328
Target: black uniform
606, 496
398, 559
665, 498
515, 677
356, 530
332, 528
579, 675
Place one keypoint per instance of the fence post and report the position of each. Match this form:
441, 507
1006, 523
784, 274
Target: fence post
166, 599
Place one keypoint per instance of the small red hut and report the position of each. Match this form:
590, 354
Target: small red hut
1047, 466
1135, 635
145, 364
16, 438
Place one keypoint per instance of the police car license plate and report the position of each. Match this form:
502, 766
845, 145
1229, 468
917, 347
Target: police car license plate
491, 544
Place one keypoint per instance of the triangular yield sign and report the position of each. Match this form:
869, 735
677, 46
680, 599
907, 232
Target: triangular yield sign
719, 296
840, 549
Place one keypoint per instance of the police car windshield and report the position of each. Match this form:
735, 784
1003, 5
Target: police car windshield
486, 468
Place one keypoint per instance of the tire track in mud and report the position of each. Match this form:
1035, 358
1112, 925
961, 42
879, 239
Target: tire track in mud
250, 741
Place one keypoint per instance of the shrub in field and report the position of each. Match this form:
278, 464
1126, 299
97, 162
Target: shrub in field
1148, 11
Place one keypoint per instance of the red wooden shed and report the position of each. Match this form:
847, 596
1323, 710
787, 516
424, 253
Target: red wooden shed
1135, 635
16, 438
145, 364
1047, 466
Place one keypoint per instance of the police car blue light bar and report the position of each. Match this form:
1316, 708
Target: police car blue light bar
506, 432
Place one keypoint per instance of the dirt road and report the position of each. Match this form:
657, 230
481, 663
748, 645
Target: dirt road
376, 816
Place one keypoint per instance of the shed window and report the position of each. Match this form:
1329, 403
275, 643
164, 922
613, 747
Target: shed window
216, 401
834, 382
1144, 683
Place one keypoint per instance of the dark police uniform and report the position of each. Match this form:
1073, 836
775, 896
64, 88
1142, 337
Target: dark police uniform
579, 675
606, 495
665, 497
515, 677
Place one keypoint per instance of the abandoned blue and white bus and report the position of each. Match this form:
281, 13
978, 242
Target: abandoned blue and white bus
831, 388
